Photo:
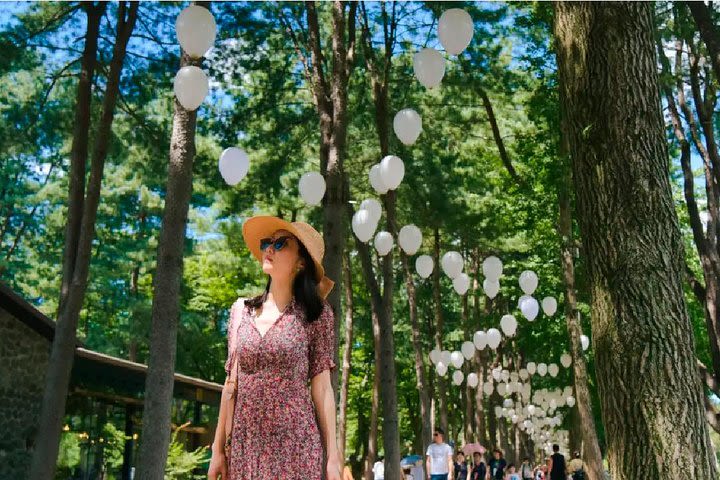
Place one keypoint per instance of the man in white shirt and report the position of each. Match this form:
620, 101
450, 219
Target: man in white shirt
439, 458
379, 469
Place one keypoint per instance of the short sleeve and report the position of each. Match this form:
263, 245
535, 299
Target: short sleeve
235, 314
428, 450
321, 342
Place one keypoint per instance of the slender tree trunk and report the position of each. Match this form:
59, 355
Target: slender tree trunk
375, 407
708, 32
441, 381
635, 255
63, 348
420, 373
155, 438
347, 354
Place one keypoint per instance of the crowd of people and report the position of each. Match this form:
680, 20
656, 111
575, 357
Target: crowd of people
441, 463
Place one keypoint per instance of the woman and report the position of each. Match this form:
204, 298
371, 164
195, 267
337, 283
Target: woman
461, 467
277, 342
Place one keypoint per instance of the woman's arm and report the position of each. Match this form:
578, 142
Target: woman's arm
324, 400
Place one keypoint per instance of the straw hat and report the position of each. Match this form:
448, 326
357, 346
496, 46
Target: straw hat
257, 228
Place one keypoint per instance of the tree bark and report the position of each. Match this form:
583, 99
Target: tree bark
441, 381
347, 354
155, 438
612, 118
375, 405
708, 32
582, 410
85, 210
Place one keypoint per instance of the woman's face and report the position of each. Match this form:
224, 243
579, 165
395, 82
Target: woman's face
281, 256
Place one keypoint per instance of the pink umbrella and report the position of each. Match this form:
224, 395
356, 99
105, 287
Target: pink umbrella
471, 448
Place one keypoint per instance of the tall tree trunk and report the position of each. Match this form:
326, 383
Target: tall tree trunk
347, 354
63, 348
635, 255
702, 14
374, 410
441, 381
582, 411
155, 438
420, 375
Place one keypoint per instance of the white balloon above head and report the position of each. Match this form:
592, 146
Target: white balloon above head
542, 369
528, 281
452, 264
508, 324
458, 377
584, 342
407, 125
549, 306
531, 368
376, 180
570, 401
529, 307
491, 288
480, 340
455, 30
461, 284
429, 67
312, 188
488, 388
457, 359
445, 357
553, 370
196, 29
472, 380
468, 350
410, 239
494, 337
363, 226
492, 268
191, 86
435, 356
373, 207
424, 265
383, 243
233, 165
441, 368
565, 360
392, 171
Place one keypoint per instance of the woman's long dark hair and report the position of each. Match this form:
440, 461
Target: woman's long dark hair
304, 288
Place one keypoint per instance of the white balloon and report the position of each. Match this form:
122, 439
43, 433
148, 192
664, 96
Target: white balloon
373, 207
531, 409
458, 377
528, 281
392, 171
491, 287
531, 368
441, 369
407, 125
494, 338
549, 306
492, 268
468, 350
312, 188
529, 308
434, 356
488, 388
410, 239
570, 401
362, 226
196, 29
461, 283
480, 340
472, 380
233, 165
383, 243
455, 30
191, 86
507, 403
584, 342
553, 370
429, 67
542, 369
376, 180
445, 357
508, 324
524, 374
424, 265
496, 373
452, 264
565, 360
457, 359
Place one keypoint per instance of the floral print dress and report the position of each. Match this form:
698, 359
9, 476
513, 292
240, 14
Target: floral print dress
275, 432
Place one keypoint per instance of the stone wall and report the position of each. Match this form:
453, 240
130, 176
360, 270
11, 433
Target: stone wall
24, 355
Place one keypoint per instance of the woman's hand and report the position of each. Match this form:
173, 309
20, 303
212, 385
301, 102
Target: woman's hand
218, 466
334, 469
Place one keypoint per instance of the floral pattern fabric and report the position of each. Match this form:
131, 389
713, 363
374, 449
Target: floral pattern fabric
275, 431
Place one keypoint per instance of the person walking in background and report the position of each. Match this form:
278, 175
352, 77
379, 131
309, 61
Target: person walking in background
497, 465
379, 469
439, 458
526, 470
461, 467
479, 471
556, 464
511, 473
576, 467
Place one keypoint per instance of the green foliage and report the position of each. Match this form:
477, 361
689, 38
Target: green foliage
181, 463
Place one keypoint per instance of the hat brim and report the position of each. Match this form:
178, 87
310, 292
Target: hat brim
256, 228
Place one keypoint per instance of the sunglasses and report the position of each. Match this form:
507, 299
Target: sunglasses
277, 244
